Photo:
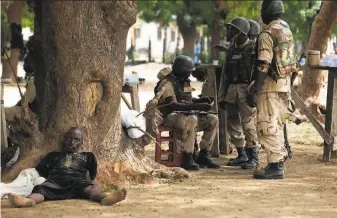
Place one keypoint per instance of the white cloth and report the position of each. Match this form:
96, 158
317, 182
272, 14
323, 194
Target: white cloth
130, 119
23, 184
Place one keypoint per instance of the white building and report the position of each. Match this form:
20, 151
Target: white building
141, 32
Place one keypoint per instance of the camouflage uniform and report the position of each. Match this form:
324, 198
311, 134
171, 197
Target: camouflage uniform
187, 125
275, 46
240, 117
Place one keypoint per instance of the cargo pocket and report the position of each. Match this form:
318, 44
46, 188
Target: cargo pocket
267, 126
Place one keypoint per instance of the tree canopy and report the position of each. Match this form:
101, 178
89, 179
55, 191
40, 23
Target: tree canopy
27, 19
299, 14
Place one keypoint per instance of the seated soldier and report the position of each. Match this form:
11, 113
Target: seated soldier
67, 175
177, 96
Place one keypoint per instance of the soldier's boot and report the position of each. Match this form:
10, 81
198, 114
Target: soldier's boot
240, 159
271, 171
188, 162
253, 158
204, 160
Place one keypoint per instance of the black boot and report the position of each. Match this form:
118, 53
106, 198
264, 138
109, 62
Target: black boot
196, 150
249, 153
271, 171
253, 158
188, 162
240, 159
204, 160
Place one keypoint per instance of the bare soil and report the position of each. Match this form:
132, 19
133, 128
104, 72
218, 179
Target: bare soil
309, 190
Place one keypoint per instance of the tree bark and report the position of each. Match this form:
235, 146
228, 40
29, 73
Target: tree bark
83, 46
215, 38
14, 15
320, 32
189, 34
215, 30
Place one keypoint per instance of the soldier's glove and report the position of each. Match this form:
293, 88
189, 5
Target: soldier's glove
222, 105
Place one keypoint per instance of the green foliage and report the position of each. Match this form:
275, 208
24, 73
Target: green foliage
247, 9
205, 57
299, 15
166, 11
169, 57
27, 19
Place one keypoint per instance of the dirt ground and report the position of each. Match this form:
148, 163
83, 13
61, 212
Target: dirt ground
309, 190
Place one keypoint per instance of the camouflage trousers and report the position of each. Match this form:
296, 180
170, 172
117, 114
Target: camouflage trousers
271, 110
241, 124
189, 125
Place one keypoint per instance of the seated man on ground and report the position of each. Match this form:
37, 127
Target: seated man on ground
67, 176
176, 102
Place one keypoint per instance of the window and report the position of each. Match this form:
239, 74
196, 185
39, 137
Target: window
137, 33
159, 34
173, 36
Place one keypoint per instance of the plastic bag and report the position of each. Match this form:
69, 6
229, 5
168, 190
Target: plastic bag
329, 61
129, 119
131, 80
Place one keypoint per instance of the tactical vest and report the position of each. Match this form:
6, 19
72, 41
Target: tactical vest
239, 63
284, 61
182, 90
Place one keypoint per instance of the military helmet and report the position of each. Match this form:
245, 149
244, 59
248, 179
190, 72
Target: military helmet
183, 65
254, 28
241, 24
271, 7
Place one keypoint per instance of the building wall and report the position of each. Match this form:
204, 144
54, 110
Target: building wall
140, 34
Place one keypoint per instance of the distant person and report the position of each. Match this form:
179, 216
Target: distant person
197, 51
335, 48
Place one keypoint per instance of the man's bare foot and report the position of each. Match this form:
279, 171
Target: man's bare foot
20, 201
114, 197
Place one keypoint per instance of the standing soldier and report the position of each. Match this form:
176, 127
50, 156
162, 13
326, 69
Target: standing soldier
177, 95
254, 30
276, 61
233, 93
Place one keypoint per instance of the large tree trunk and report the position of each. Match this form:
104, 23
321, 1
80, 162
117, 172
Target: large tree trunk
320, 32
189, 34
216, 28
215, 38
83, 62
14, 15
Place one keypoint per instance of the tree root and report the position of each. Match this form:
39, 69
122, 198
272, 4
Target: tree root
132, 166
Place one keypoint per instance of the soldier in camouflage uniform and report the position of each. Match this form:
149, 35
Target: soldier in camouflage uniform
233, 92
177, 93
276, 61
254, 30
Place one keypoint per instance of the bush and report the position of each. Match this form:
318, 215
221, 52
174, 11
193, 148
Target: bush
204, 57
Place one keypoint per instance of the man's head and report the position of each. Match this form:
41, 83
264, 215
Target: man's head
73, 140
254, 30
182, 67
238, 26
271, 10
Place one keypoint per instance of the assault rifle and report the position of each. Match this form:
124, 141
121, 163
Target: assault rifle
297, 121
195, 112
